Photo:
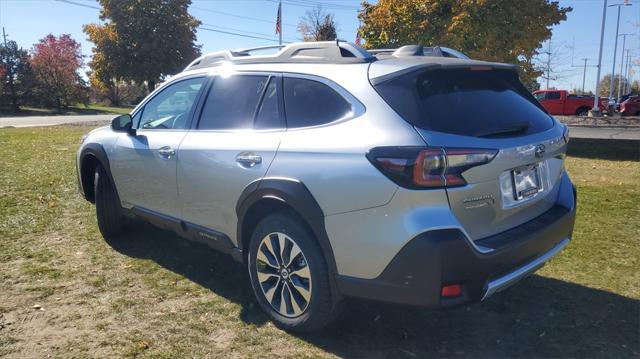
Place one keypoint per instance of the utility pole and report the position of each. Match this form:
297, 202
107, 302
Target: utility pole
4, 36
615, 51
595, 111
584, 74
627, 87
548, 62
584, 70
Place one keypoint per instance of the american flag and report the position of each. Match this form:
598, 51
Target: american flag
278, 29
358, 39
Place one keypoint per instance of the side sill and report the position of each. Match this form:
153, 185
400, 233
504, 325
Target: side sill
212, 238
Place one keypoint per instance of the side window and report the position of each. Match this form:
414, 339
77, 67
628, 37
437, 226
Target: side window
555, 95
232, 102
170, 108
539, 96
312, 103
269, 115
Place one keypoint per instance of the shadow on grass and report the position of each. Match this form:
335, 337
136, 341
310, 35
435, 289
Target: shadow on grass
540, 317
605, 149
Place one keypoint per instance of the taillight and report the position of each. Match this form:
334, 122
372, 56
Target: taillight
434, 167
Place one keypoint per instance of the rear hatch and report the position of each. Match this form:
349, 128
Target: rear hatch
466, 108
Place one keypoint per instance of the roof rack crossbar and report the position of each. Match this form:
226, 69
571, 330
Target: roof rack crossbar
302, 52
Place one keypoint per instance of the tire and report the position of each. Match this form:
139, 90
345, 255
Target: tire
582, 111
305, 310
108, 210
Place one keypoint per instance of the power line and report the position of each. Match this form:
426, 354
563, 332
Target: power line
239, 16
245, 31
242, 35
208, 27
79, 4
310, 3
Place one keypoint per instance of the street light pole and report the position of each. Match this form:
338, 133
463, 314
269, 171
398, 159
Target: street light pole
595, 111
621, 76
615, 51
584, 74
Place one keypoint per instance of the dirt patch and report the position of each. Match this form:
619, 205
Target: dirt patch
600, 121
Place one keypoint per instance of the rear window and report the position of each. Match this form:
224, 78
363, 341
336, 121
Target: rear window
465, 102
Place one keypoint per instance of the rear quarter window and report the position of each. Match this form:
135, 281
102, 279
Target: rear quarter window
466, 102
312, 103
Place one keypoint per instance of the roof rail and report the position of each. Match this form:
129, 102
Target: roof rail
419, 50
339, 52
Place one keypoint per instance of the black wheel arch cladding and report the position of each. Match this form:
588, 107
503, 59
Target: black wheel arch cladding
292, 194
98, 152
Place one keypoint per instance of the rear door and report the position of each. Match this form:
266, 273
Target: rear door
232, 145
466, 109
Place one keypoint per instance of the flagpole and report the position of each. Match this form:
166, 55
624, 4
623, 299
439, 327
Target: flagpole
280, 32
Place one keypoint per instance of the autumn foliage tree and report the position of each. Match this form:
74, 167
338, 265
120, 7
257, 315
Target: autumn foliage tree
142, 40
56, 62
495, 30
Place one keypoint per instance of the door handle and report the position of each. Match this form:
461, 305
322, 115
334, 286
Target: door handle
248, 159
166, 152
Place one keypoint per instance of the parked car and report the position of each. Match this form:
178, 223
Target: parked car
331, 173
630, 106
560, 102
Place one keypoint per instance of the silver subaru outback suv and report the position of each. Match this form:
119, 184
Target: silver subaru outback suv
415, 176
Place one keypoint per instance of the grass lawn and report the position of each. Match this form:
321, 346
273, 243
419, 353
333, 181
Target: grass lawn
92, 109
65, 292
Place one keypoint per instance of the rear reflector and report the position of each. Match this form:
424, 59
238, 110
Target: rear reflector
431, 167
452, 290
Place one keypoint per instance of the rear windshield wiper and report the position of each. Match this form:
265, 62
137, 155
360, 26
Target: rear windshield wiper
515, 129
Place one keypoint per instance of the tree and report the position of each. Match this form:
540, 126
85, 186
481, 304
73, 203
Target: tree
605, 84
317, 25
56, 62
16, 74
142, 40
495, 30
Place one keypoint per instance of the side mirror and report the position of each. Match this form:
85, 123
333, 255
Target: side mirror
123, 123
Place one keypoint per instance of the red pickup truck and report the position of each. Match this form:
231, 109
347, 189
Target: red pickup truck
559, 102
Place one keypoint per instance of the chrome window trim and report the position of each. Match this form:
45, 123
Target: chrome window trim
357, 108
231, 72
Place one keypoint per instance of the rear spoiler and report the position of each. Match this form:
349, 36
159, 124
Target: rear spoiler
465, 64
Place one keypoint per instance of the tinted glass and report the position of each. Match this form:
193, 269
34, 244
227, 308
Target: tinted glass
232, 102
170, 109
269, 111
553, 96
312, 103
464, 102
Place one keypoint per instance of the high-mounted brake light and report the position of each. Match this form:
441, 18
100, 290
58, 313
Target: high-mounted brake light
436, 167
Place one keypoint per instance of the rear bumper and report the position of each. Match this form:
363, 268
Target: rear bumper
435, 258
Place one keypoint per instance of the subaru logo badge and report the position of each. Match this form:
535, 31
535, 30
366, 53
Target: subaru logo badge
539, 152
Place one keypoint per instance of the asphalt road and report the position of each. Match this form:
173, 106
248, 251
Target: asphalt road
614, 133
33, 121
618, 133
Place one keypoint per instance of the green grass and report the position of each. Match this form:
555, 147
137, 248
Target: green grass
155, 295
80, 109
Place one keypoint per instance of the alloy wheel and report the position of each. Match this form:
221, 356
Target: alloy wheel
283, 274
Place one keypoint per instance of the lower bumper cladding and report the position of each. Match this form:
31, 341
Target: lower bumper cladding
512, 278
440, 258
